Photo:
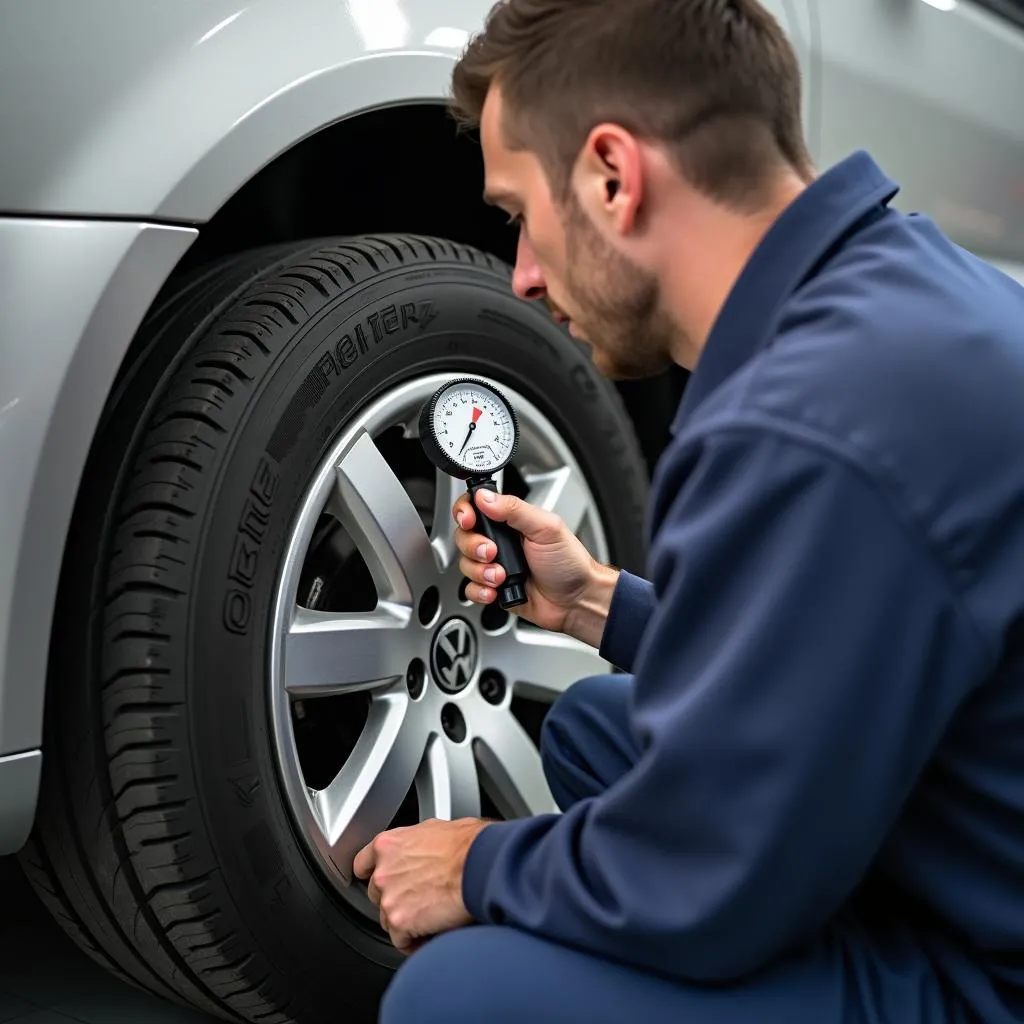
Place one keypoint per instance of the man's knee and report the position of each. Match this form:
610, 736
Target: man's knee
586, 744
440, 983
565, 722
564, 732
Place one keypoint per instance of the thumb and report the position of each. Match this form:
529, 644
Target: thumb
533, 523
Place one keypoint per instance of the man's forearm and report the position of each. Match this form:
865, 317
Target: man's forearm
587, 620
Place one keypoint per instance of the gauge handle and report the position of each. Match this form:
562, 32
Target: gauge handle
509, 543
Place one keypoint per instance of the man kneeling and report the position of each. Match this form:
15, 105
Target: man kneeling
804, 801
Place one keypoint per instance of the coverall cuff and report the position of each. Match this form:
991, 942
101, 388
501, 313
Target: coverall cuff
631, 609
476, 872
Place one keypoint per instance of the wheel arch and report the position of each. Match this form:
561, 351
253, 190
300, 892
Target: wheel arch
164, 114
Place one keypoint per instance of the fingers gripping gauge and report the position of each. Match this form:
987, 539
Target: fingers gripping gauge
469, 431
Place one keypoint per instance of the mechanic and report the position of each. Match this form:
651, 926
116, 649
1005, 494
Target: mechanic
803, 799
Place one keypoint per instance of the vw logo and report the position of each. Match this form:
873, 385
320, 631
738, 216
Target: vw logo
453, 655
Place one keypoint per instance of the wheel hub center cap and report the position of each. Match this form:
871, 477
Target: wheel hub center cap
454, 654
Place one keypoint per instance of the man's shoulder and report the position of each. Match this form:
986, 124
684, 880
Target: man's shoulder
909, 366
903, 345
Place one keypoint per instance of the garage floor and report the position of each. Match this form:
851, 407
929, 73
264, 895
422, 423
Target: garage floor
44, 979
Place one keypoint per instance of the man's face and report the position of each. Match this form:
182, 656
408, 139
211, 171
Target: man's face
608, 300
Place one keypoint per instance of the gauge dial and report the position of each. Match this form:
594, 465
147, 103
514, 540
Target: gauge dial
471, 427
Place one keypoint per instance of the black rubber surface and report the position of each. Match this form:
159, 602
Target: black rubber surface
163, 845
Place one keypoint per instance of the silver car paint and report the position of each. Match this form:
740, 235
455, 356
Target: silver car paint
155, 114
164, 110
72, 293
936, 97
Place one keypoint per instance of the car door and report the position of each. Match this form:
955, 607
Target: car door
934, 90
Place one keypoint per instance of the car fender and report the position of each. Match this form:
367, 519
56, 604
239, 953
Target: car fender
72, 294
164, 111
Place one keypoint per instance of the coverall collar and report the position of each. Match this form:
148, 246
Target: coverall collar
792, 251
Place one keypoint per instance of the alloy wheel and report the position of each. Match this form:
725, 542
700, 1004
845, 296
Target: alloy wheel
393, 698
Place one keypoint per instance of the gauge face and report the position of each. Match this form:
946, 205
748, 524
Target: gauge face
473, 426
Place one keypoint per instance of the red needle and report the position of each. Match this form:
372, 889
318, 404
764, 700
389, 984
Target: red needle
477, 413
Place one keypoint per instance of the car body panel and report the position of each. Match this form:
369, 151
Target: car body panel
127, 125
165, 110
935, 96
72, 293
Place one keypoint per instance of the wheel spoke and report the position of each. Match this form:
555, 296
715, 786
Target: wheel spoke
365, 795
447, 492
542, 665
510, 766
446, 784
560, 491
375, 508
329, 653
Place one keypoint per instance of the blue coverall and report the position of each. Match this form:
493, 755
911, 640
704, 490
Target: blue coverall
804, 803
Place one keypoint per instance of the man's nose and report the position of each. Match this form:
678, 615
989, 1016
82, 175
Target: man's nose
527, 279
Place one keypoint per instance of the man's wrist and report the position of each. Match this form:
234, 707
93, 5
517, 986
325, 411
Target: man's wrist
587, 619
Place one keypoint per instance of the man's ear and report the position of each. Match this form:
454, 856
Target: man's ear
608, 178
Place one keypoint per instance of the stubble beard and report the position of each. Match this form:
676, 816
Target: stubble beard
620, 313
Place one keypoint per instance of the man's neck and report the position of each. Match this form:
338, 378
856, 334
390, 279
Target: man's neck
707, 258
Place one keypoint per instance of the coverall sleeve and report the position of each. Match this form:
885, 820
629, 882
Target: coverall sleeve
805, 655
631, 609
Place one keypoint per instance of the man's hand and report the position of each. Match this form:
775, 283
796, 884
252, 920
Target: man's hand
568, 591
415, 878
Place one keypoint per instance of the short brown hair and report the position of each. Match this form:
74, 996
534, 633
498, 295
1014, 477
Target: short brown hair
717, 81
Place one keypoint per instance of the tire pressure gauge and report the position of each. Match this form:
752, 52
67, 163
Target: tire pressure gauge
469, 430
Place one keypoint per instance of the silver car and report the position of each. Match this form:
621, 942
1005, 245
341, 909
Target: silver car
240, 244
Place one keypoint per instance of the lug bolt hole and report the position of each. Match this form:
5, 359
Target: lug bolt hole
492, 686
453, 723
463, 599
493, 617
416, 678
430, 604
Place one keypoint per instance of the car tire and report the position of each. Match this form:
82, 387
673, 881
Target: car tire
167, 842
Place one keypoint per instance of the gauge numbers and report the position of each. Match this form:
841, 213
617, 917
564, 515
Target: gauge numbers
474, 427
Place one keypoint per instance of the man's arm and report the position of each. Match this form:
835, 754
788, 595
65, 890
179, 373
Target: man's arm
804, 658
